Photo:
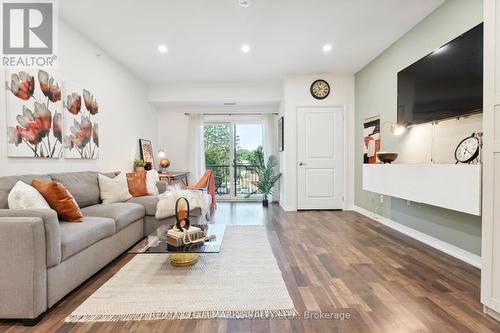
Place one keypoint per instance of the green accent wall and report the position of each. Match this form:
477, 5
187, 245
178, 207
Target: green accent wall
376, 93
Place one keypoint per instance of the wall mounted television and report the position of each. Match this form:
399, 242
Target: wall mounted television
447, 83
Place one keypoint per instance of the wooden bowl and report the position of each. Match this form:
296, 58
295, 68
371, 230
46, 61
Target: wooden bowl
387, 157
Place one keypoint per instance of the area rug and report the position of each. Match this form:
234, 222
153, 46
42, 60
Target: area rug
242, 281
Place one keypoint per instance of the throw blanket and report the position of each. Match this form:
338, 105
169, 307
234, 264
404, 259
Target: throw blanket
166, 202
207, 183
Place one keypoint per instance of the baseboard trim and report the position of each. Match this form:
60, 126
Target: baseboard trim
491, 312
450, 249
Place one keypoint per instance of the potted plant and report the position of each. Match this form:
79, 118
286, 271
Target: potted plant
266, 177
139, 165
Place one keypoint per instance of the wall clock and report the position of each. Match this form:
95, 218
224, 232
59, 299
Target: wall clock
468, 149
320, 89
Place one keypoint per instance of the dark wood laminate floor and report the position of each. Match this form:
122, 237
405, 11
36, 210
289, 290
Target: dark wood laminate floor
332, 262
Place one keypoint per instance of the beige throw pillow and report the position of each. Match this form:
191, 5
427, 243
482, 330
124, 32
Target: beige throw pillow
114, 189
24, 196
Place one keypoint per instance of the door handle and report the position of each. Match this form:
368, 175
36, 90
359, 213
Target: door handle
302, 163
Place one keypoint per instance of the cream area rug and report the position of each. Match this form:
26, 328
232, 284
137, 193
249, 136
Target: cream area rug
242, 281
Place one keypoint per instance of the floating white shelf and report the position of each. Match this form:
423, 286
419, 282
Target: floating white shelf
451, 186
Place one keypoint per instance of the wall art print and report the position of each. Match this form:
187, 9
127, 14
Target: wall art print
371, 139
81, 123
34, 114
147, 151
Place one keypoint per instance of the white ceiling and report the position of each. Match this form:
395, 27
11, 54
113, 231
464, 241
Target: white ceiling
204, 37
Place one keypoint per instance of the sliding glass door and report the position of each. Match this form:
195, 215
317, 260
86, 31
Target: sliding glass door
219, 155
232, 152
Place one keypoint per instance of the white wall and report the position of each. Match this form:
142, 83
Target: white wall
173, 138
296, 93
216, 93
125, 114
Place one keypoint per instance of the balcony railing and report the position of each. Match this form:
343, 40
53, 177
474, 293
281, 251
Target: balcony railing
244, 176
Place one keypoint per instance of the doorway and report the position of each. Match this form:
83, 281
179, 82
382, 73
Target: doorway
232, 152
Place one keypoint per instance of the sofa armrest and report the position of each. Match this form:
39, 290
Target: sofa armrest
51, 228
23, 269
162, 186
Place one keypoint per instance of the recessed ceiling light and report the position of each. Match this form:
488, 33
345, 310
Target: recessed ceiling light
162, 48
244, 3
245, 48
327, 48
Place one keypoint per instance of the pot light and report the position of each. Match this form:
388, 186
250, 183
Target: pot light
162, 48
327, 48
245, 48
244, 3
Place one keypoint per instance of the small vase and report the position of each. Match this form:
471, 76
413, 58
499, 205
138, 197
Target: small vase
139, 169
265, 202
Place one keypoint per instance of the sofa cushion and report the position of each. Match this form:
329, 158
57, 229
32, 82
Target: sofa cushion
149, 202
76, 237
124, 213
7, 183
83, 186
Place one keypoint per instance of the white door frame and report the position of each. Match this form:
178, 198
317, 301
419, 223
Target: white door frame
345, 147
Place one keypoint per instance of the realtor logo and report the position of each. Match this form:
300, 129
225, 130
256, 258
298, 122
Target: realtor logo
28, 33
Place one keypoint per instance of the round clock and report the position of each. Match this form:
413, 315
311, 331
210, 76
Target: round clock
320, 89
467, 150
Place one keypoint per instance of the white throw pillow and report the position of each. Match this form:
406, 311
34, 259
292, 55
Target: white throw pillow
152, 178
24, 196
114, 189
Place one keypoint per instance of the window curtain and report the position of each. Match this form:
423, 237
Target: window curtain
270, 145
196, 147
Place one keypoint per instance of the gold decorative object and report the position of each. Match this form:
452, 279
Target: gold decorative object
164, 163
183, 259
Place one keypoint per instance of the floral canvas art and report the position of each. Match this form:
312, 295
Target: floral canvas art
81, 126
34, 114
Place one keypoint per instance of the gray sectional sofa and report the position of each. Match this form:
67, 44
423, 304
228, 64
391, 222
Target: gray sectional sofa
42, 259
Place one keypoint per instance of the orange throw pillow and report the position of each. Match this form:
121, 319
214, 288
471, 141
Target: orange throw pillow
59, 199
137, 184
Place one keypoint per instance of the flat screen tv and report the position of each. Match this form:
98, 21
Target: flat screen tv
445, 84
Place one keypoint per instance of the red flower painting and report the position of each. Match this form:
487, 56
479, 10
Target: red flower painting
37, 125
80, 123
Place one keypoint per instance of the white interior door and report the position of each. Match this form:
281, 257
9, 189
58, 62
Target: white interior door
320, 157
490, 251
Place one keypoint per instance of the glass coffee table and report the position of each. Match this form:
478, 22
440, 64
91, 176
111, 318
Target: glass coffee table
182, 256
